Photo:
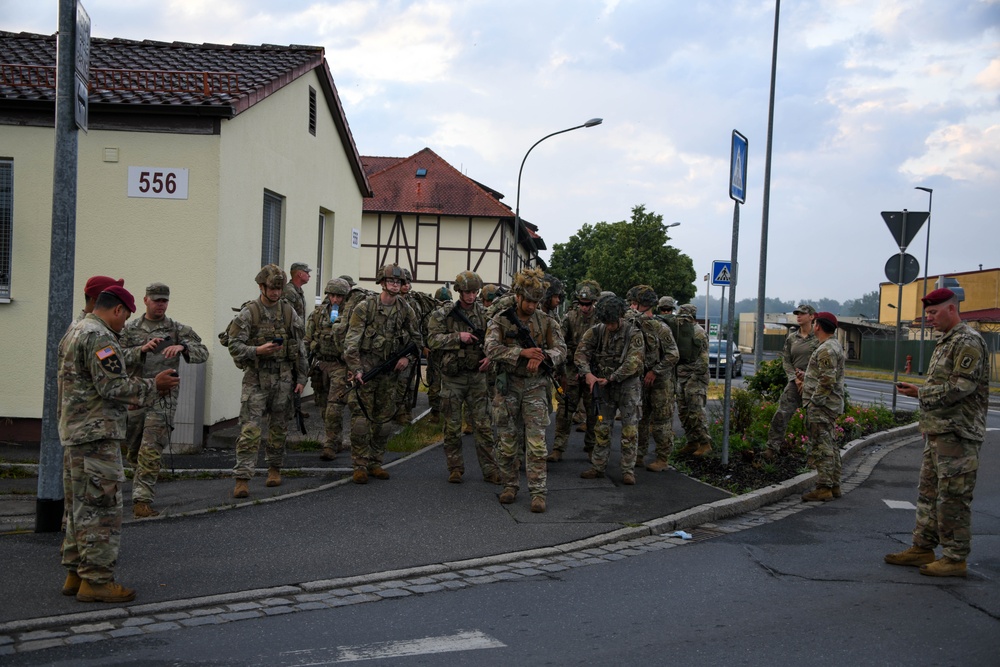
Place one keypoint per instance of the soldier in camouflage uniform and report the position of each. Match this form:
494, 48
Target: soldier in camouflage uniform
404, 413
457, 333
659, 364
799, 346
953, 406
94, 392
823, 396
266, 342
329, 374
522, 403
379, 326
692, 382
554, 295
610, 356
149, 429
488, 295
93, 288
576, 323
443, 296
292, 293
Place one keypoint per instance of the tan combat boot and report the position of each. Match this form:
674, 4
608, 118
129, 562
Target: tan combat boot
378, 472
107, 592
582, 428
507, 497
944, 567
455, 477
554, 457
915, 556
242, 489
72, 583
836, 491
492, 477
328, 453
703, 450
628, 479
538, 504
360, 476
273, 477
687, 449
142, 510
819, 494
403, 418
591, 473
657, 466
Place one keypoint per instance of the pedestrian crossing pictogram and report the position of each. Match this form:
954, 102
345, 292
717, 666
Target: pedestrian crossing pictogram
722, 272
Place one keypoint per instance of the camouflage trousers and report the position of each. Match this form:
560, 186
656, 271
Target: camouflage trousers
266, 401
405, 384
521, 413
467, 390
434, 381
790, 401
944, 496
824, 454
368, 433
692, 394
623, 397
657, 418
148, 432
329, 379
92, 487
574, 389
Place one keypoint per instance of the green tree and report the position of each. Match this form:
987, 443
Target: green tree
621, 254
866, 306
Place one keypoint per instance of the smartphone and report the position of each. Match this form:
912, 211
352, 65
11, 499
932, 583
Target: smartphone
162, 345
278, 341
899, 385
174, 374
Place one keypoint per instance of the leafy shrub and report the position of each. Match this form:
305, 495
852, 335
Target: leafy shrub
768, 380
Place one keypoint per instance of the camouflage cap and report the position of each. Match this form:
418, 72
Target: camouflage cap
688, 310
350, 280
645, 295
804, 309
667, 302
467, 281
337, 286
530, 284
158, 291
300, 266
271, 276
609, 309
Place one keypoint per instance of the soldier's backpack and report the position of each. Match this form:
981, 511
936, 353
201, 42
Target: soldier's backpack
256, 314
338, 332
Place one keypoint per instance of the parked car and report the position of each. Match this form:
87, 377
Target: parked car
717, 367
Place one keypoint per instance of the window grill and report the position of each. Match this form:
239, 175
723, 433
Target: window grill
271, 239
6, 225
312, 111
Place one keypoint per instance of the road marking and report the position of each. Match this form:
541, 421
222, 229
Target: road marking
900, 504
466, 640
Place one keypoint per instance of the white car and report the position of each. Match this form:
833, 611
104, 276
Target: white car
717, 366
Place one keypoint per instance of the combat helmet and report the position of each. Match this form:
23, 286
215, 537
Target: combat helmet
588, 290
442, 294
666, 302
530, 284
490, 292
407, 277
271, 276
337, 286
645, 295
630, 294
555, 287
467, 281
609, 309
688, 310
389, 271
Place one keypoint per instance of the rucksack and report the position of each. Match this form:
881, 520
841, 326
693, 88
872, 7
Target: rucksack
255, 317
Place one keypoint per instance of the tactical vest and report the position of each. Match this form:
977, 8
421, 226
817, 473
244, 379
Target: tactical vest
338, 330
685, 341
264, 330
467, 357
607, 359
325, 346
384, 333
651, 339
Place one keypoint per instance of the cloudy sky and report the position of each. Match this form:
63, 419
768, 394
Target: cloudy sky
874, 97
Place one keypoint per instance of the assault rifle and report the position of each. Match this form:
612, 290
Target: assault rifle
526, 340
596, 397
459, 313
297, 401
384, 367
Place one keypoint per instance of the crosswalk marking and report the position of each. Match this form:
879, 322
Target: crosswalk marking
900, 504
465, 640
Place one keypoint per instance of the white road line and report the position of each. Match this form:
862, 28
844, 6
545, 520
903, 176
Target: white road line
900, 504
466, 640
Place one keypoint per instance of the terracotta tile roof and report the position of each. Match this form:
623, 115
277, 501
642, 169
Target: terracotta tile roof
373, 164
260, 71
443, 190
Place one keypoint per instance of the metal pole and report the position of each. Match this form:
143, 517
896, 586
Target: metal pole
758, 348
927, 252
708, 277
899, 320
49, 502
729, 332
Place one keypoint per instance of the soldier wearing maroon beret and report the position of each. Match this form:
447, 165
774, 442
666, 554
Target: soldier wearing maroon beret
953, 406
95, 285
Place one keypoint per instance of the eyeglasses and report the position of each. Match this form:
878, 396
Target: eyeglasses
393, 281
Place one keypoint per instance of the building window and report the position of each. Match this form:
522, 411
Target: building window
320, 245
312, 111
270, 250
6, 226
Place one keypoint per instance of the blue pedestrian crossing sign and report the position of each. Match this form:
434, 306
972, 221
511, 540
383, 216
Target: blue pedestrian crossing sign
722, 272
738, 168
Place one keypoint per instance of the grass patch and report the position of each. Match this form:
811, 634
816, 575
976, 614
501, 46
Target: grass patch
305, 445
16, 472
415, 437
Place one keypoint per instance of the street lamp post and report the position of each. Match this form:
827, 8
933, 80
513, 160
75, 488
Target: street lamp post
927, 252
517, 207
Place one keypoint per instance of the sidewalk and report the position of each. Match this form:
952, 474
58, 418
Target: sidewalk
326, 529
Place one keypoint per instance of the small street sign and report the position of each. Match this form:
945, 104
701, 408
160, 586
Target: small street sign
904, 225
722, 272
911, 269
738, 168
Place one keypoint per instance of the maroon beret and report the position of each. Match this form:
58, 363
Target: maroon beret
829, 317
939, 295
97, 284
122, 295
